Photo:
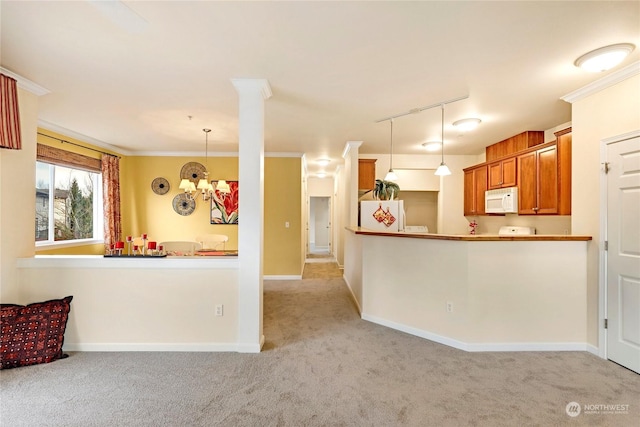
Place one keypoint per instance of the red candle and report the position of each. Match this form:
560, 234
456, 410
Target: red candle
128, 239
160, 248
151, 245
144, 236
119, 245
135, 247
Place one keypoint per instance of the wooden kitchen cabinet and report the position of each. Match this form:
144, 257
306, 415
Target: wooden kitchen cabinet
475, 184
366, 174
538, 182
511, 146
563, 142
502, 173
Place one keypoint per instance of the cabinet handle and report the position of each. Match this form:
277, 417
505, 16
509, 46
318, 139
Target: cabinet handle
535, 209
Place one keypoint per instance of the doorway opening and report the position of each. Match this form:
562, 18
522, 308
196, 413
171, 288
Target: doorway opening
319, 228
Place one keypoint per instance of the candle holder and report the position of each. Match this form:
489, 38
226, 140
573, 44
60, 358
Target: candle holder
135, 250
119, 247
129, 242
152, 248
144, 243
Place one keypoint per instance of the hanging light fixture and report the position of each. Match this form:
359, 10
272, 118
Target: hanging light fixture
442, 170
223, 186
204, 186
391, 175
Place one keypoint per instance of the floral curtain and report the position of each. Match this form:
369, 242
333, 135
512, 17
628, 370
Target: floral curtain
10, 136
111, 199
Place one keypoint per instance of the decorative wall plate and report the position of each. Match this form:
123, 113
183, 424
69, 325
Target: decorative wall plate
160, 186
192, 171
183, 204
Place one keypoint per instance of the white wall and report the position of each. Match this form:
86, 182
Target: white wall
164, 305
17, 199
597, 116
320, 186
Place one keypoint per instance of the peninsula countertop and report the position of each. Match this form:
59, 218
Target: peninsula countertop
473, 238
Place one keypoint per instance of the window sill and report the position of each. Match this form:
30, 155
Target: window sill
68, 244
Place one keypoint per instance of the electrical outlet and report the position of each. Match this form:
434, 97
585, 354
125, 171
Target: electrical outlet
449, 307
219, 310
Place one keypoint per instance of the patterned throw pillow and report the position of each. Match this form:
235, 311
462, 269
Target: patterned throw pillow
33, 333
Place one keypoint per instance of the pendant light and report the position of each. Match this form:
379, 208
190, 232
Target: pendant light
442, 170
391, 175
204, 185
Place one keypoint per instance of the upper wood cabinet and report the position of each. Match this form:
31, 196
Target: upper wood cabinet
366, 174
513, 145
502, 173
544, 178
563, 142
475, 184
538, 182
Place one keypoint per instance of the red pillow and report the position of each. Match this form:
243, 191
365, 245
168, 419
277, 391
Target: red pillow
34, 333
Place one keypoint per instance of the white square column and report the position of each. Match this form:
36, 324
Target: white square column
252, 94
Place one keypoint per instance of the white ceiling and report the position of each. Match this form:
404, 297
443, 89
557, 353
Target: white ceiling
334, 69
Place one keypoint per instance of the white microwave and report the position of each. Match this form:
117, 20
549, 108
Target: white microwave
502, 200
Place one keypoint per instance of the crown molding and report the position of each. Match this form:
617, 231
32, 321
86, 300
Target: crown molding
603, 83
26, 84
73, 134
252, 86
350, 145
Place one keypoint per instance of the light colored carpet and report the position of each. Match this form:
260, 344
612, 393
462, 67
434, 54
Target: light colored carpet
321, 366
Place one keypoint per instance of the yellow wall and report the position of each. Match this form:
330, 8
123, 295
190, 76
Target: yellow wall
283, 247
143, 211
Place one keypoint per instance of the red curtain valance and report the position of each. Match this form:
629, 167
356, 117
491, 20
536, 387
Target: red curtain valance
10, 136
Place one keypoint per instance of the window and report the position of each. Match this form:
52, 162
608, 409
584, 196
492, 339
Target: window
68, 204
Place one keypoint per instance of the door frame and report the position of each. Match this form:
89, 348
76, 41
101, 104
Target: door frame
329, 217
602, 275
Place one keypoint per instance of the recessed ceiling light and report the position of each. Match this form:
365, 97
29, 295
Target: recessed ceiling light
323, 162
321, 175
465, 125
432, 145
604, 58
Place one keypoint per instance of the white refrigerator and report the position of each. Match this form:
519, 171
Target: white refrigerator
382, 215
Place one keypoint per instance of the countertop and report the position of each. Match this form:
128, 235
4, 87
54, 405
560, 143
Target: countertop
472, 238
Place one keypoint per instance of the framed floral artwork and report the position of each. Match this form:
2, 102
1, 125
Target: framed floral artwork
224, 204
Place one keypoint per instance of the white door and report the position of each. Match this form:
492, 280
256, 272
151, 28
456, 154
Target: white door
623, 254
319, 224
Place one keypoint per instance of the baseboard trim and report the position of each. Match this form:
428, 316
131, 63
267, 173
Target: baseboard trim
594, 350
417, 332
283, 277
353, 296
484, 347
173, 347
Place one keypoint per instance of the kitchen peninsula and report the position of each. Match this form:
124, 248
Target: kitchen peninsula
475, 293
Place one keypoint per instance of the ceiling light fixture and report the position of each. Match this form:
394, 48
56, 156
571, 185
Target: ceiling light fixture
442, 170
432, 145
204, 186
321, 175
466, 125
604, 58
323, 162
391, 175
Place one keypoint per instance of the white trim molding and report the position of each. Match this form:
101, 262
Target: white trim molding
603, 83
482, 347
282, 277
26, 84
